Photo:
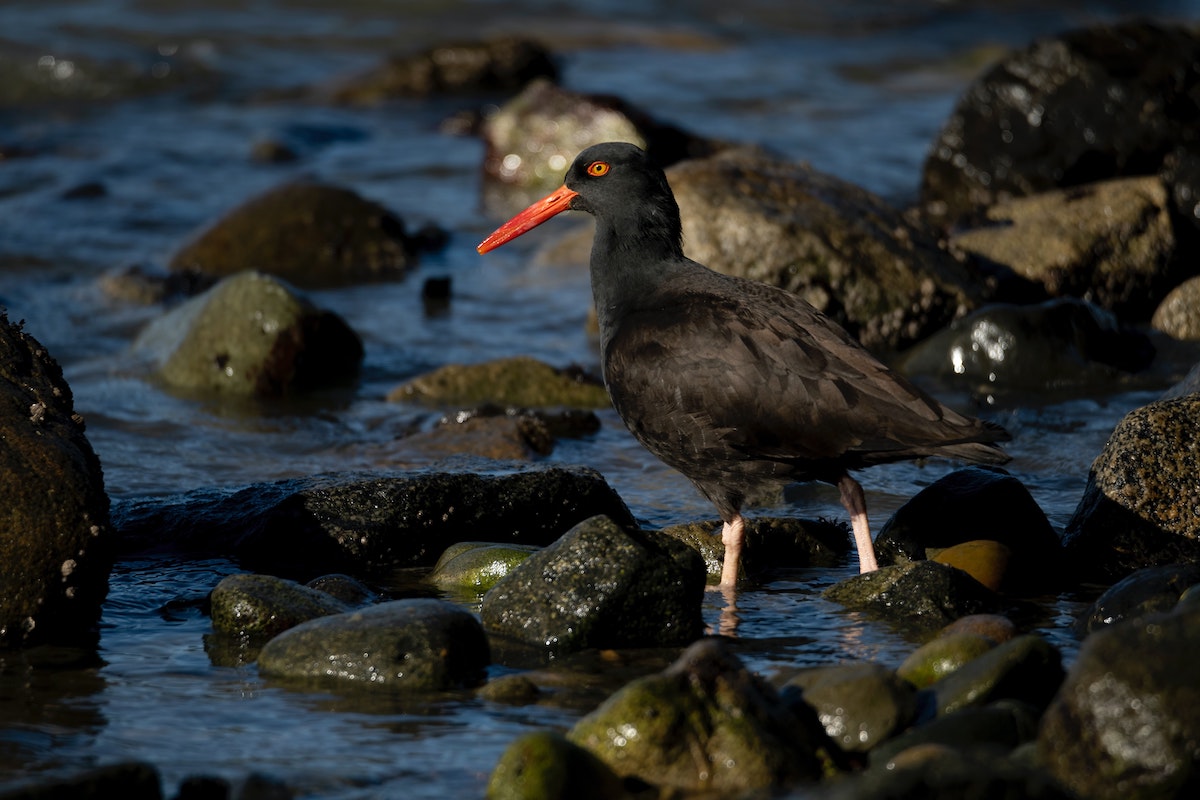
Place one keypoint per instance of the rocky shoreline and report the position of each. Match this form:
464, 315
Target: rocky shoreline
1048, 264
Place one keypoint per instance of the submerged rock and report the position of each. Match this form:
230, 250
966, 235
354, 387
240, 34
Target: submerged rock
144, 284
1147, 591
32, 78
364, 524
345, 588
1139, 506
251, 335
601, 585
771, 542
492, 65
55, 537
491, 431
920, 597
1125, 723
418, 644
843, 249
1058, 344
310, 234
704, 724
519, 381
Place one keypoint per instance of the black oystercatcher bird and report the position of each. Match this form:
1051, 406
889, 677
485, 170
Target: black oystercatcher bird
733, 382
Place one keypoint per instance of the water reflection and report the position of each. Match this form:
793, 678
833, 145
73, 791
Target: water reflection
50, 706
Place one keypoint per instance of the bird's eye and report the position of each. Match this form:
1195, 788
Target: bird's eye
597, 168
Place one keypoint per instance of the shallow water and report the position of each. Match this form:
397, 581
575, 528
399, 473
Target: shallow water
859, 91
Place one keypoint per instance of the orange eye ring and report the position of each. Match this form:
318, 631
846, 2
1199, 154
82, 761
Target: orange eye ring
598, 168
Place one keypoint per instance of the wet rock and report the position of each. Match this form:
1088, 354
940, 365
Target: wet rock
1027, 669
1054, 345
516, 437
262, 606
518, 381
1139, 506
501, 433
601, 585
145, 285
843, 249
369, 524
55, 534
273, 151
30, 77
546, 766
343, 587
1111, 242
514, 690
310, 234
996, 627
1178, 315
1001, 726
477, 566
532, 139
1147, 591
1124, 725
941, 772
251, 335
494, 65
129, 780
705, 723
860, 705
941, 656
771, 542
983, 559
920, 596
1084, 106
418, 644
578, 682
971, 504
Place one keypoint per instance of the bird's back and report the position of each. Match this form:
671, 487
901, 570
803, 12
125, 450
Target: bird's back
735, 383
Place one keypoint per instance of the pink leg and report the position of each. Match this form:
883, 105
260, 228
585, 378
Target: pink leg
733, 536
856, 504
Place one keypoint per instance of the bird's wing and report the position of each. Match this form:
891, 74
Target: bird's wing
769, 377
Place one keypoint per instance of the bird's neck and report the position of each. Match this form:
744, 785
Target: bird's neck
632, 261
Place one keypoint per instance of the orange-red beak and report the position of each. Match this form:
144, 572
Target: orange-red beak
554, 203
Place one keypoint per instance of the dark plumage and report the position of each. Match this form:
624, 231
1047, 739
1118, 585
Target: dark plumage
732, 382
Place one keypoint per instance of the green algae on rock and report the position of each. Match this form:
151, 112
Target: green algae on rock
251, 335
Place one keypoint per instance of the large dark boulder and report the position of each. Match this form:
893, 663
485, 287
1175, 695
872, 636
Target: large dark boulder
55, 538
1067, 110
845, 250
1125, 722
369, 524
601, 585
311, 234
1139, 506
